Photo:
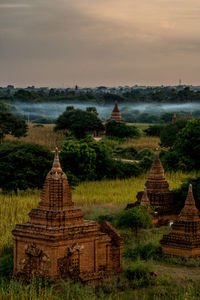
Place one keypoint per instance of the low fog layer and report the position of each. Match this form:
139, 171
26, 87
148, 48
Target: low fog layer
54, 110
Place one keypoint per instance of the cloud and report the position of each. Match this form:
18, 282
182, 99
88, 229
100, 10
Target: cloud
94, 42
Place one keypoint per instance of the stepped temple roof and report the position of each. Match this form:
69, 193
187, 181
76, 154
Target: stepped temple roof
116, 115
157, 191
57, 242
156, 181
184, 239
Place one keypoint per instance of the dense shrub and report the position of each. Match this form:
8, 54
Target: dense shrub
142, 251
79, 122
23, 166
139, 273
181, 193
85, 159
146, 152
134, 218
127, 153
9, 124
88, 160
145, 163
168, 134
184, 154
154, 130
121, 130
6, 265
121, 169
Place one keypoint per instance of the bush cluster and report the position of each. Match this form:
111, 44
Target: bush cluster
121, 130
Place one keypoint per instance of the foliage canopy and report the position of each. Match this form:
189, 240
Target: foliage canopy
79, 122
23, 166
9, 124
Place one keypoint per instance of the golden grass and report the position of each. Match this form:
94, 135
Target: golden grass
14, 209
119, 191
142, 142
106, 194
43, 135
142, 126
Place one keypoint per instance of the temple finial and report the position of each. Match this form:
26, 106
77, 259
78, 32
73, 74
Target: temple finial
190, 197
56, 163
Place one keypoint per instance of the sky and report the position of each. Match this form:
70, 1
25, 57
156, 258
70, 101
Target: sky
99, 42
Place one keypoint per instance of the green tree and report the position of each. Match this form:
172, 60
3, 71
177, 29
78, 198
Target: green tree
79, 122
85, 159
25, 95
23, 166
168, 134
92, 109
187, 146
181, 193
134, 218
3, 107
154, 130
9, 124
121, 130
185, 152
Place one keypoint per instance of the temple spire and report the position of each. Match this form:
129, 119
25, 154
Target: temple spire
116, 109
189, 210
156, 180
116, 115
56, 163
174, 118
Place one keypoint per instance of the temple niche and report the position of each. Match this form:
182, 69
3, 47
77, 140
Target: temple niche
158, 194
116, 115
184, 239
57, 242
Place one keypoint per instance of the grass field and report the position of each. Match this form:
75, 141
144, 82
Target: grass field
43, 135
177, 279
98, 195
142, 142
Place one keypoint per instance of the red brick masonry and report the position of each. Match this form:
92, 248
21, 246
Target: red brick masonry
57, 242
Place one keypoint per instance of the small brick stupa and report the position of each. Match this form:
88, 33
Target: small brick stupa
145, 199
184, 240
116, 115
158, 193
57, 242
174, 119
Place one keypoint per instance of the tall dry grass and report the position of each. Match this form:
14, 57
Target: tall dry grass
120, 191
43, 135
111, 193
142, 142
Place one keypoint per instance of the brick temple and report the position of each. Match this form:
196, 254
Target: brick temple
158, 194
184, 239
174, 119
116, 115
57, 242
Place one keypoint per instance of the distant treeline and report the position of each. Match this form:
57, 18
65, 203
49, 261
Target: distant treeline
151, 94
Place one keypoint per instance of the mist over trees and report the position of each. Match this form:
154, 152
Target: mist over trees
141, 105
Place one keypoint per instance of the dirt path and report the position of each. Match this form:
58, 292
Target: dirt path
179, 273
